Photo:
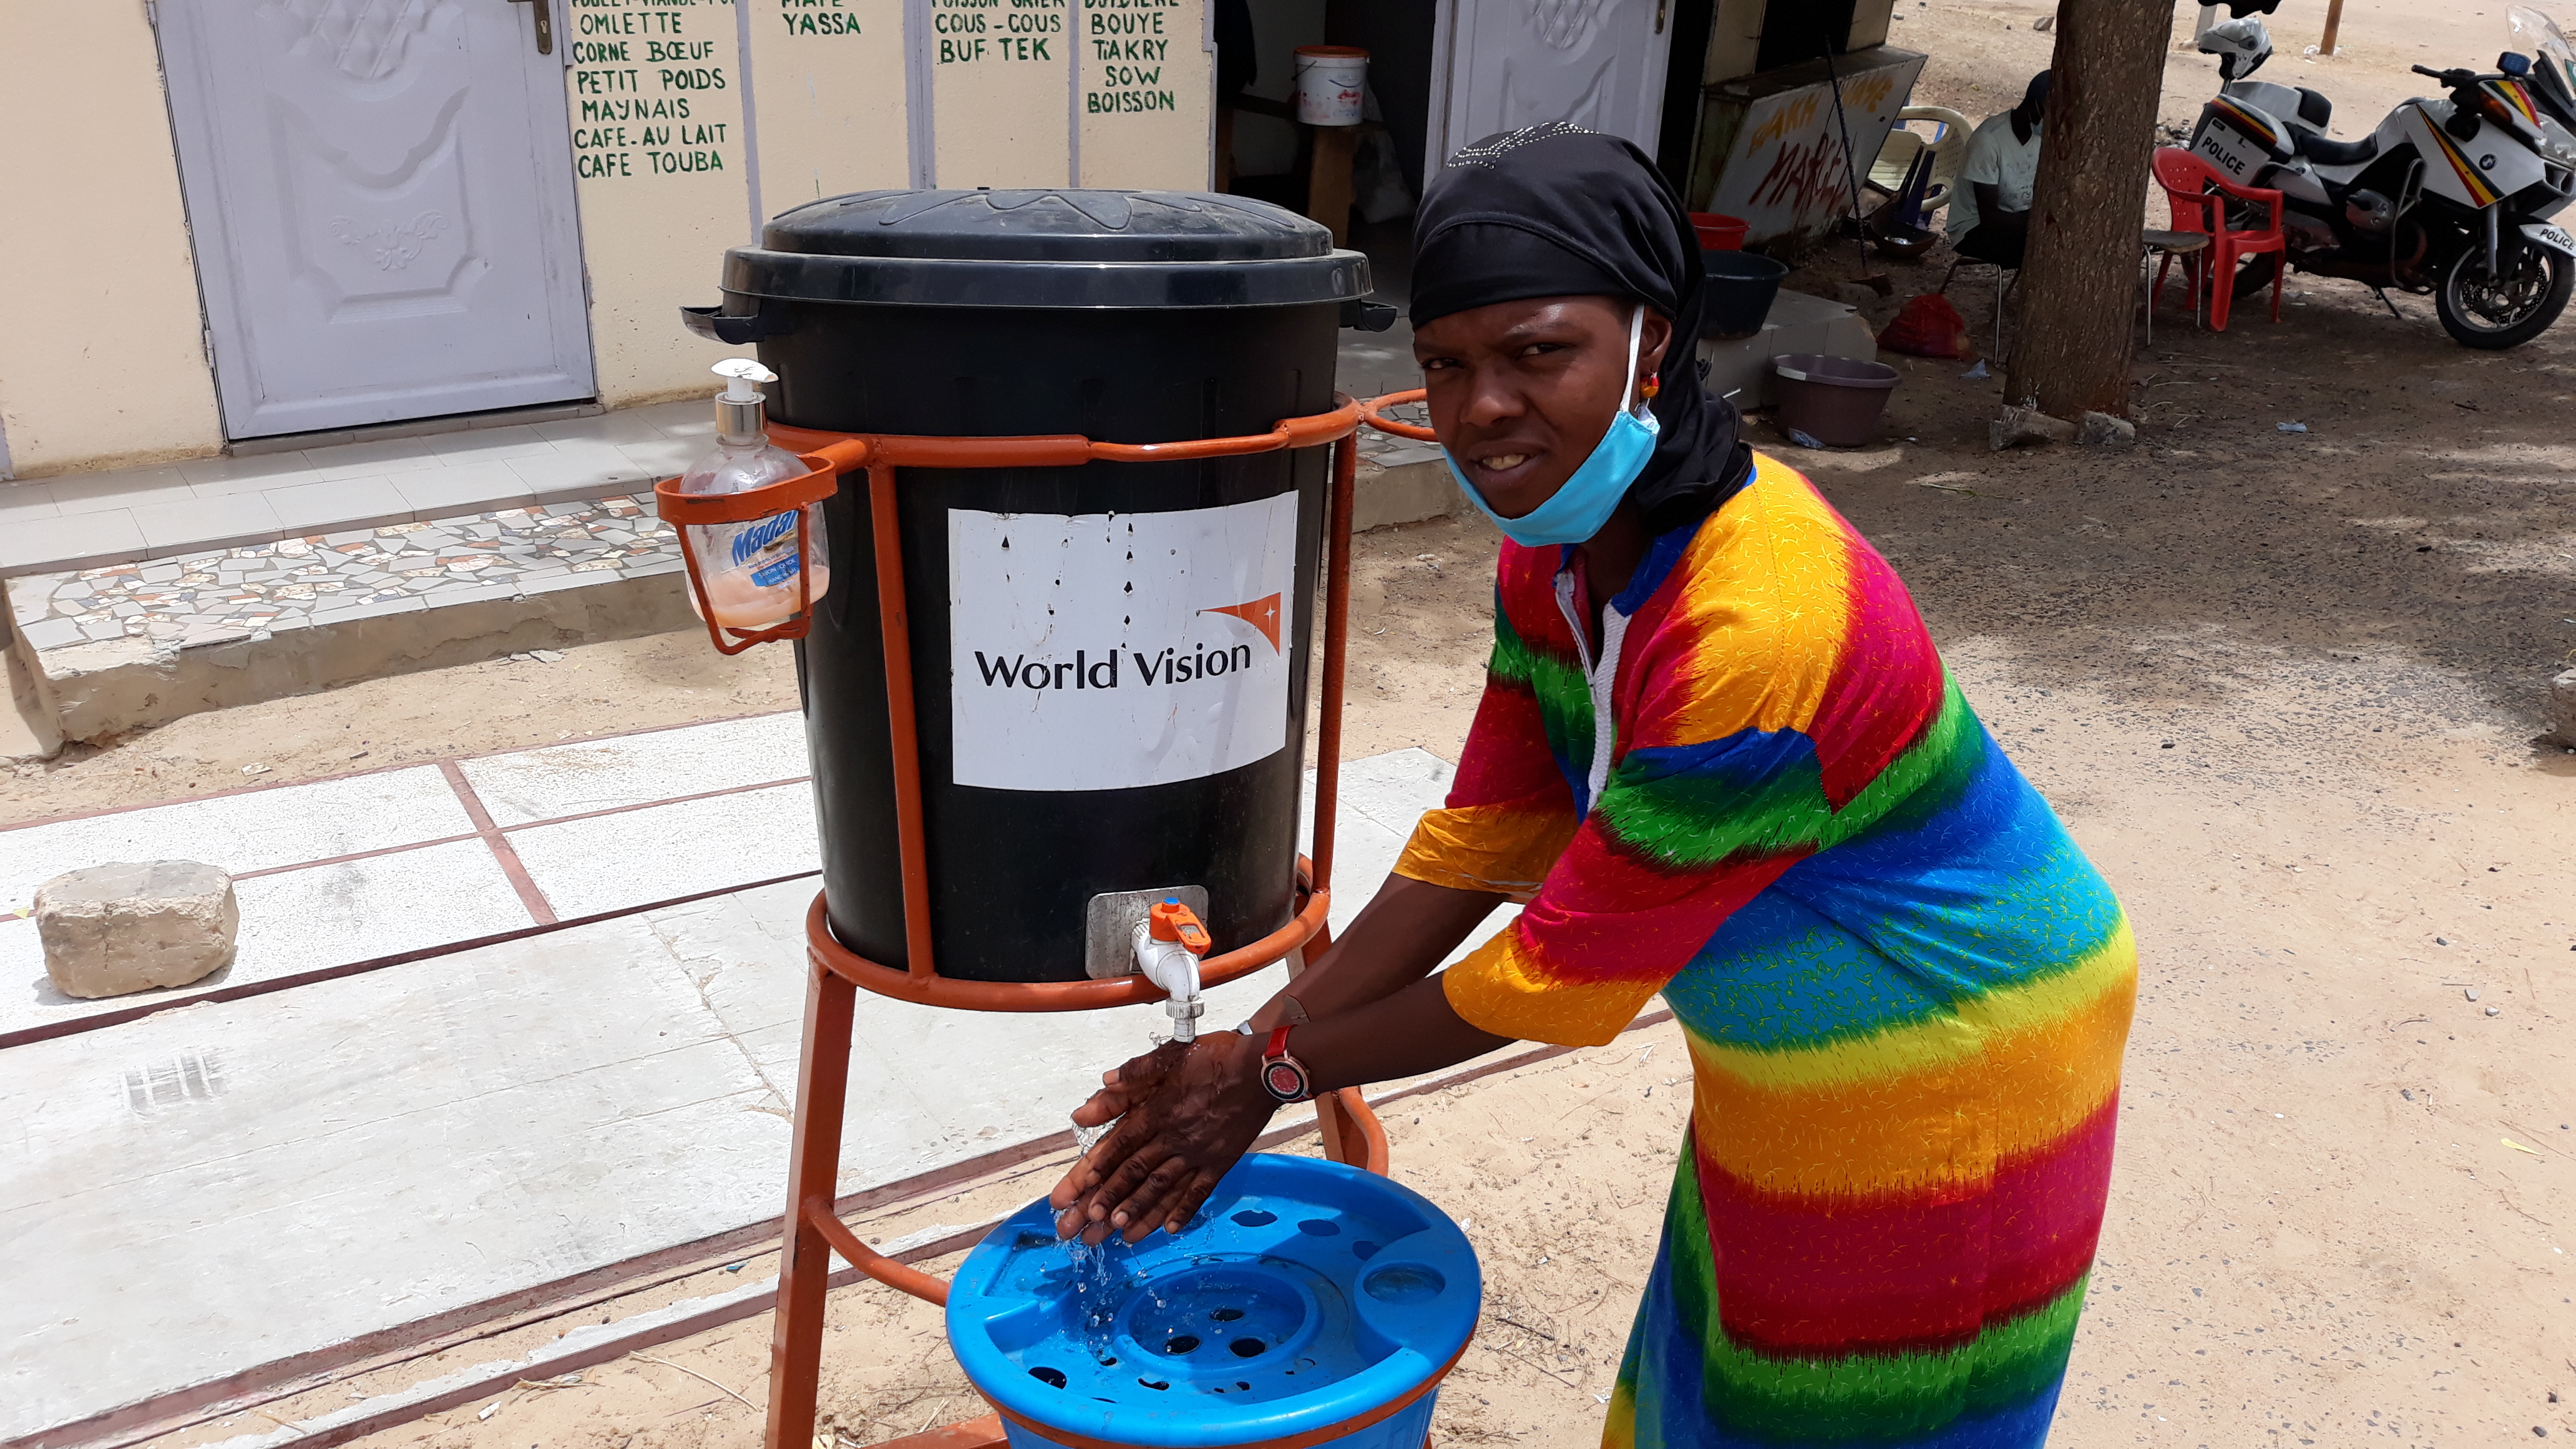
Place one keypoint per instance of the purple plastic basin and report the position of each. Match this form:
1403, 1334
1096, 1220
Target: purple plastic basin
1835, 400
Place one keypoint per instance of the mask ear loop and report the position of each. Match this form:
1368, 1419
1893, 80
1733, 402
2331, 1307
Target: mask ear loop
1628, 386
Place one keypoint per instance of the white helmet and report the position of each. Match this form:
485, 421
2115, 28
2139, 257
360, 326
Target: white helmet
2240, 45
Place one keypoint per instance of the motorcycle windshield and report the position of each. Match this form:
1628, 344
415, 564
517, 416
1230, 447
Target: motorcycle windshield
2553, 59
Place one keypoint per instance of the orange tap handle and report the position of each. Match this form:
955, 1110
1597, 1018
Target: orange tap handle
1172, 921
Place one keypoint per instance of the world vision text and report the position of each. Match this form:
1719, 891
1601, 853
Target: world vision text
1085, 672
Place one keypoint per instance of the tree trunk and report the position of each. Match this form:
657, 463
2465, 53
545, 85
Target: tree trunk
2070, 348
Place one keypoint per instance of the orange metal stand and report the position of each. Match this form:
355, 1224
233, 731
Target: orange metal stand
835, 974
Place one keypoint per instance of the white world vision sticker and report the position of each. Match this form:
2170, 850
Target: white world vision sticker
1108, 651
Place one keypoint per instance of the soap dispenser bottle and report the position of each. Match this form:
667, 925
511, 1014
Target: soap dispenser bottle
750, 570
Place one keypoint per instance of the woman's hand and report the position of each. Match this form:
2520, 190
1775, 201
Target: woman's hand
1184, 1114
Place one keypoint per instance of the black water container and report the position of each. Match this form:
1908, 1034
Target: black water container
1109, 662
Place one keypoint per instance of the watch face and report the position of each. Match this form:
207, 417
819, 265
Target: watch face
1285, 1080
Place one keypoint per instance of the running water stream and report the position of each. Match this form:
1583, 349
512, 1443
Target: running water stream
1094, 1282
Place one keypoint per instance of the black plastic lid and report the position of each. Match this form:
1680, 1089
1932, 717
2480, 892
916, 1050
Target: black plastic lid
1059, 248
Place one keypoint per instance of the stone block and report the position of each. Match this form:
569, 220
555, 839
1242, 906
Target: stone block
1408, 493
2101, 430
132, 926
2018, 425
2562, 709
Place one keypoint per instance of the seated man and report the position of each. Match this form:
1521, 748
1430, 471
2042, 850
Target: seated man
1990, 210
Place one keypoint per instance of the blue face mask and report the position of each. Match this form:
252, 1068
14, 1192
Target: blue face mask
1577, 510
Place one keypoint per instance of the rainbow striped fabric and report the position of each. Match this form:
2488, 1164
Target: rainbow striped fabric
1905, 990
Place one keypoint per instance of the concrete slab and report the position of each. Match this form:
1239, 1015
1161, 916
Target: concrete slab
1366, 836
409, 896
1405, 492
249, 831
299, 921
282, 1173
615, 862
76, 541
369, 460
427, 469
1381, 798
298, 1170
132, 673
335, 1158
27, 729
559, 780
406, 554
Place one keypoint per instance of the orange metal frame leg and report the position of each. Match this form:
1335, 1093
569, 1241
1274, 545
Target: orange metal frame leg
814, 1166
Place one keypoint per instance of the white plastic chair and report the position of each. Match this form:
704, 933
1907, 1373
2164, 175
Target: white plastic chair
1949, 144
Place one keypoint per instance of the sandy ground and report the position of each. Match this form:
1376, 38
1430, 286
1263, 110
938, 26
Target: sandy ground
1984, 51
2283, 687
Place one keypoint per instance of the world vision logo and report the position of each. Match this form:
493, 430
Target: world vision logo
1171, 666
1261, 614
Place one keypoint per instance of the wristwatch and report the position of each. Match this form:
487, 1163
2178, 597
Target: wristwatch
1283, 1076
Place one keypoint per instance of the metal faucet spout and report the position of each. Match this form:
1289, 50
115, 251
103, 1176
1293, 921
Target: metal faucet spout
1169, 943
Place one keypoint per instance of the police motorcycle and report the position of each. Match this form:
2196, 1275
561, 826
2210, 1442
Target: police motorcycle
2451, 195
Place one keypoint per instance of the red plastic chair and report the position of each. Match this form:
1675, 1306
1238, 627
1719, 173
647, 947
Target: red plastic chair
2199, 195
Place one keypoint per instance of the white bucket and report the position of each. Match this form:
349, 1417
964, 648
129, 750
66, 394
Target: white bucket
1330, 80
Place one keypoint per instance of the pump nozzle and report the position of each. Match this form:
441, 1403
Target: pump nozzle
739, 374
738, 412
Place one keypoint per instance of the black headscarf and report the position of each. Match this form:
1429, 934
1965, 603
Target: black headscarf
1558, 211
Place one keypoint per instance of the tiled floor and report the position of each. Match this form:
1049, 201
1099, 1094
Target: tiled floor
216, 596
253, 830
85, 520
633, 858
629, 770
335, 1159
255, 590
423, 874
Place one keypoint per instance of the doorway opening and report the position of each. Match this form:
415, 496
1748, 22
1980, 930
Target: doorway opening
1443, 73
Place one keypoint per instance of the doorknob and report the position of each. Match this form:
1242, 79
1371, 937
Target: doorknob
546, 25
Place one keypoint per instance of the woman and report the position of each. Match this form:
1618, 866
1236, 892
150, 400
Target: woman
1720, 759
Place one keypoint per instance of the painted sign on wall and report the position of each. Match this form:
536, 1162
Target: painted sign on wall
1786, 171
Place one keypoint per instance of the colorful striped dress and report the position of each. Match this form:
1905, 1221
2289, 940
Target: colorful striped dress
1904, 988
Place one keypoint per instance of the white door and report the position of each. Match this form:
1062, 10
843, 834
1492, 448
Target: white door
380, 194
1515, 63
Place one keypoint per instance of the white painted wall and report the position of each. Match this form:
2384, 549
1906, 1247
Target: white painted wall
102, 359
1146, 105
101, 362
663, 179
831, 84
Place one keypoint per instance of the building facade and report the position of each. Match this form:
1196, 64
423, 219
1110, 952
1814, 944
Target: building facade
255, 224
248, 219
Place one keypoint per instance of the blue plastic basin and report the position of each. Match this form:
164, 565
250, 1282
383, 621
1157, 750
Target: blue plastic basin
1305, 1296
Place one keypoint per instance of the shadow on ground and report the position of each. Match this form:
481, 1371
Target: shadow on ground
2423, 526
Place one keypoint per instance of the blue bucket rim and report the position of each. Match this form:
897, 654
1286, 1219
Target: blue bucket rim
1343, 1406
